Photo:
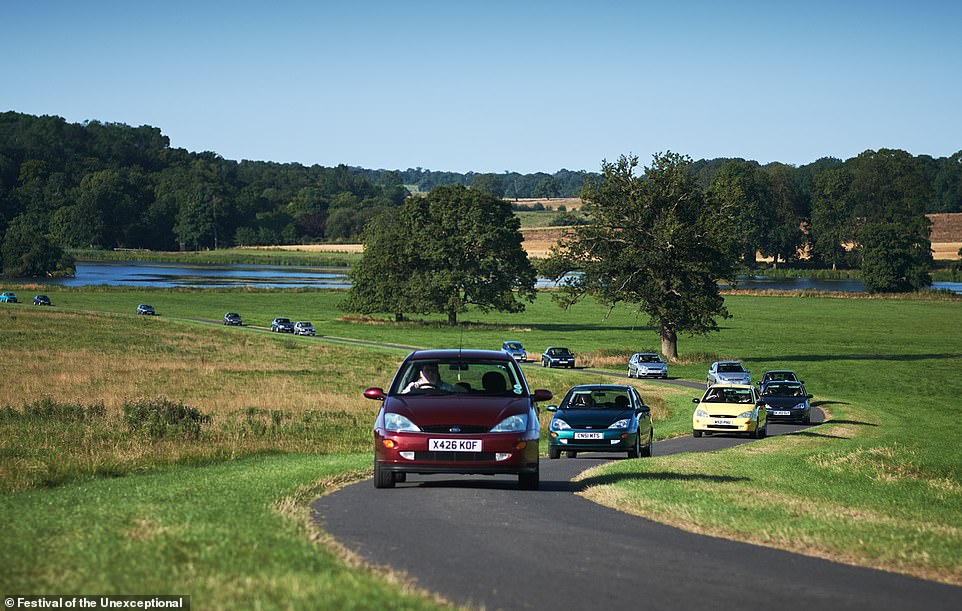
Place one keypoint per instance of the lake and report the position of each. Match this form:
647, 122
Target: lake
139, 273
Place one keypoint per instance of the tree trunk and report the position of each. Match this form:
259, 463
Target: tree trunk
453, 318
398, 317
669, 345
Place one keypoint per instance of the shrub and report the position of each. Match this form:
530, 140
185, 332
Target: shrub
161, 417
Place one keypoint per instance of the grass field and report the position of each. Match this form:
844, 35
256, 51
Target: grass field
878, 486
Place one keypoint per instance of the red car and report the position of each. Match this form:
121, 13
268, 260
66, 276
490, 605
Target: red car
454, 411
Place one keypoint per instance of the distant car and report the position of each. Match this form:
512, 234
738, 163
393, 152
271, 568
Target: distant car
777, 375
647, 365
457, 411
41, 300
303, 327
145, 309
8, 298
728, 372
600, 418
282, 325
787, 401
557, 356
730, 408
233, 319
516, 350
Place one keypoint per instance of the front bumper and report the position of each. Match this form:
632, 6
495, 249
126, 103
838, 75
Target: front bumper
717, 424
612, 440
501, 453
792, 414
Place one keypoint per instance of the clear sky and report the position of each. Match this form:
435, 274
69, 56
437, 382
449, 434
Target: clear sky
490, 86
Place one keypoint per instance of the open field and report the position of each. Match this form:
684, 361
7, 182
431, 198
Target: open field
879, 486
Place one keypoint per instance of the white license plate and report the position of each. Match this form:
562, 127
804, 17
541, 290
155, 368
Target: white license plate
723, 422
454, 445
781, 412
589, 435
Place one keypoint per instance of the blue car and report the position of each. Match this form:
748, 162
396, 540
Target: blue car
516, 350
557, 356
8, 298
600, 418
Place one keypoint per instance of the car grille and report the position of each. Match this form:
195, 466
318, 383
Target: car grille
722, 426
454, 456
445, 429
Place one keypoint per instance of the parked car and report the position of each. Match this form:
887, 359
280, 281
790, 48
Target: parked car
282, 325
233, 319
304, 327
41, 300
600, 418
556, 356
8, 297
730, 408
647, 365
728, 372
787, 401
453, 411
777, 375
145, 309
516, 350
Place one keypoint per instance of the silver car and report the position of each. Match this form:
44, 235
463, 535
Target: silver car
647, 365
728, 372
303, 327
516, 350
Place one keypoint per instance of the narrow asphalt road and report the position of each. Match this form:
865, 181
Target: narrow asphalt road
481, 542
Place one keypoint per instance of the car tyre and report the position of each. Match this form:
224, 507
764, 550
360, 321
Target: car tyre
646, 451
635, 451
696, 433
529, 481
571, 454
554, 453
382, 477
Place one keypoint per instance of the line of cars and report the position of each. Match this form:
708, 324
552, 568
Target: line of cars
11, 297
731, 404
553, 356
233, 319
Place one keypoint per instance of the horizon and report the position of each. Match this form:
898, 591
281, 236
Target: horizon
498, 88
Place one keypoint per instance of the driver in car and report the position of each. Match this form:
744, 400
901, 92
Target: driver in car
428, 378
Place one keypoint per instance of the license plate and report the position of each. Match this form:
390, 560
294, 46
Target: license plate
454, 445
781, 412
729, 422
589, 435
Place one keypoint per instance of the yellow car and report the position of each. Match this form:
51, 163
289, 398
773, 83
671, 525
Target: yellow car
730, 408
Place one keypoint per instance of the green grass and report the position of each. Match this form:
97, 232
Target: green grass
231, 535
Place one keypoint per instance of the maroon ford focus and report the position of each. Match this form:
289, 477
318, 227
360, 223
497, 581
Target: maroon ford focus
454, 411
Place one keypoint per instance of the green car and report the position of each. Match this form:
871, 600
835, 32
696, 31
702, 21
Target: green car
600, 418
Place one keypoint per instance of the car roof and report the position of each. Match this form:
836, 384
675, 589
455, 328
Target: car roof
600, 387
779, 371
739, 386
454, 353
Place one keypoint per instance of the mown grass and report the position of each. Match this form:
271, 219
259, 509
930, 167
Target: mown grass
233, 535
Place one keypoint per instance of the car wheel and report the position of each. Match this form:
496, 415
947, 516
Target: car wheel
646, 451
635, 451
382, 477
764, 432
554, 453
629, 374
571, 454
529, 481
696, 433
807, 420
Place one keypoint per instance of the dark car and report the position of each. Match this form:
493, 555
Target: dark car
557, 356
600, 418
282, 325
453, 411
233, 319
777, 375
145, 309
41, 300
787, 401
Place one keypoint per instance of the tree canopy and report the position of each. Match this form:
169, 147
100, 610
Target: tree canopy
441, 253
652, 242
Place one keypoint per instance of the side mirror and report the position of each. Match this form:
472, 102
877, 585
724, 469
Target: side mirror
542, 395
643, 409
696, 400
809, 396
759, 403
552, 408
375, 393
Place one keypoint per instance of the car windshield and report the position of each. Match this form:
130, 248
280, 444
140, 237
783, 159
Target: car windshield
283, 320
728, 395
730, 368
558, 352
783, 390
304, 324
513, 346
781, 375
649, 358
597, 399
233, 315
462, 376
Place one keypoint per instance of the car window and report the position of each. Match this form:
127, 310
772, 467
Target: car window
784, 390
728, 395
730, 368
649, 358
597, 399
461, 376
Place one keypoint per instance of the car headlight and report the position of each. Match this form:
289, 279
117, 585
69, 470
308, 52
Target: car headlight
801, 405
701, 413
397, 422
512, 424
621, 424
747, 414
558, 424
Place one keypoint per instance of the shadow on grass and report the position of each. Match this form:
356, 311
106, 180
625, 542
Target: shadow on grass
808, 433
603, 480
819, 403
858, 422
856, 357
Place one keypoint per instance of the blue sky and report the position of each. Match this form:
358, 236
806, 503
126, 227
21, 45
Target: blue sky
494, 86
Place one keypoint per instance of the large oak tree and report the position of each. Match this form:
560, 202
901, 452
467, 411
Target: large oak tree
652, 242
